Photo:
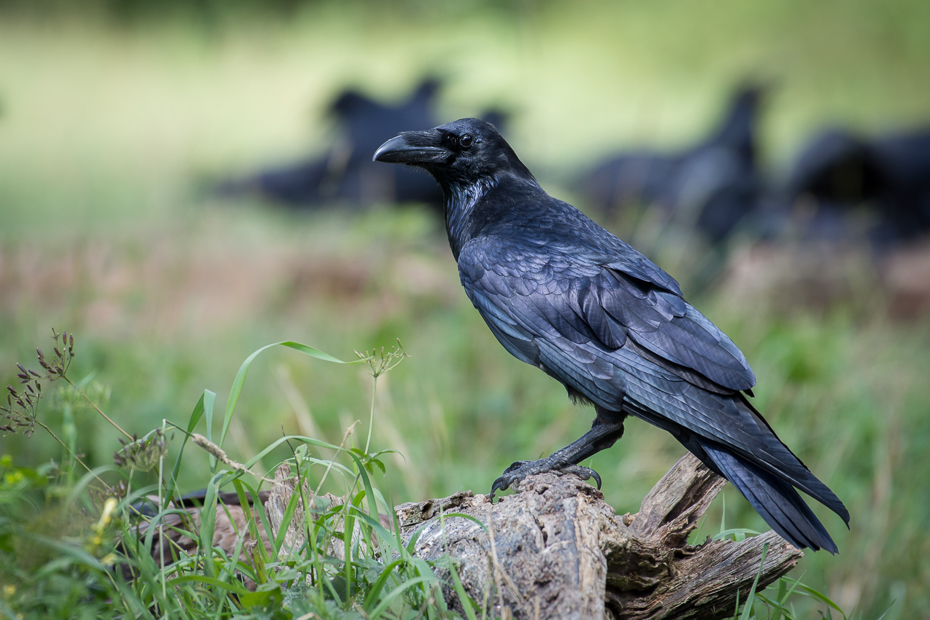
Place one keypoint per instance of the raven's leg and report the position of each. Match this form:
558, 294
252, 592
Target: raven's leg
605, 431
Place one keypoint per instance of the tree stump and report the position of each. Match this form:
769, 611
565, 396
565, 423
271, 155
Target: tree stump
557, 550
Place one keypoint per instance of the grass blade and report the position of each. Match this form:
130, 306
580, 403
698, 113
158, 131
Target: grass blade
747, 607
203, 406
244, 371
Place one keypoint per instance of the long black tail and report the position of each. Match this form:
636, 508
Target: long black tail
775, 499
733, 439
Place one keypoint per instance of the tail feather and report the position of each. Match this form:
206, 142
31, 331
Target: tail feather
776, 457
774, 499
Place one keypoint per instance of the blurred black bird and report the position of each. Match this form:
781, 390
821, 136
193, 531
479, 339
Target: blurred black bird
563, 294
709, 187
345, 174
887, 178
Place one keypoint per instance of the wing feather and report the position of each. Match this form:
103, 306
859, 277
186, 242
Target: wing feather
584, 301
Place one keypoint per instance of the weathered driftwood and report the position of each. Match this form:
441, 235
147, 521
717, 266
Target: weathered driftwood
556, 550
553, 550
174, 532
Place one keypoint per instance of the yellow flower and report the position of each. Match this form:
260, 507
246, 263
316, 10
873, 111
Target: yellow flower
9, 590
108, 509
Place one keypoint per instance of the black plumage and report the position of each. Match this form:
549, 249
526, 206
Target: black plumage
563, 294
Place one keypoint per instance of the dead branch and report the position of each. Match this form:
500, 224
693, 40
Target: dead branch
556, 550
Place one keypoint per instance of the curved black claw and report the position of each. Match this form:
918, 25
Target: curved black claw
585, 473
506, 479
521, 469
500, 484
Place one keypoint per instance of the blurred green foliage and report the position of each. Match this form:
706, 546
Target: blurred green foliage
117, 116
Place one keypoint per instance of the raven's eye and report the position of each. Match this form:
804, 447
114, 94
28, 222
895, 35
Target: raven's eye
466, 141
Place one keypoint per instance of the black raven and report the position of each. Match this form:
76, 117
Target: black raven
889, 175
563, 294
711, 186
344, 173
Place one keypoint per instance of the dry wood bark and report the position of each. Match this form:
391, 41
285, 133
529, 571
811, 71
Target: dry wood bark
557, 550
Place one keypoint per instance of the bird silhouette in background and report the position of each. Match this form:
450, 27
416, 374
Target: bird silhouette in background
873, 188
345, 175
709, 187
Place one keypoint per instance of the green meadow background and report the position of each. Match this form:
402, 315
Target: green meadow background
116, 117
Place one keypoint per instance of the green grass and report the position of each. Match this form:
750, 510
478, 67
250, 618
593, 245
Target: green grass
108, 134
70, 542
349, 565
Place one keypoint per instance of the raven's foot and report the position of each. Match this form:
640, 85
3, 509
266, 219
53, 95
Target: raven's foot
522, 469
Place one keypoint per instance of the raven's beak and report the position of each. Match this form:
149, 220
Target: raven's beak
412, 147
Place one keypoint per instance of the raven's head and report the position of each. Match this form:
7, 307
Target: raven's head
458, 154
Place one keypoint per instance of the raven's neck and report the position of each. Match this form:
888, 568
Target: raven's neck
470, 208
460, 203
